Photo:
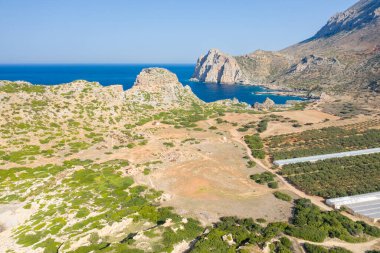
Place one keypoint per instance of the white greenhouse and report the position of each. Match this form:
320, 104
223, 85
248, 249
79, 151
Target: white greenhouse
364, 205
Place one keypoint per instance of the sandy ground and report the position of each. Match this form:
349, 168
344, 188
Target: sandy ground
302, 117
214, 182
11, 216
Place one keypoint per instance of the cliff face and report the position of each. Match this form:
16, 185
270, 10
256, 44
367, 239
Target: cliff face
217, 67
160, 87
358, 16
342, 56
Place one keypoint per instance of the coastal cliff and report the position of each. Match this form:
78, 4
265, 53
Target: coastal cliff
343, 56
217, 67
160, 87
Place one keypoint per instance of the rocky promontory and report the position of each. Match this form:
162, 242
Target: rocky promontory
217, 67
160, 87
343, 56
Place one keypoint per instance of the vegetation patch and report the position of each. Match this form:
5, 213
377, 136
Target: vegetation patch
95, 196
282, 196
336, 177
322, 141
256, 145
311, 248
311, 224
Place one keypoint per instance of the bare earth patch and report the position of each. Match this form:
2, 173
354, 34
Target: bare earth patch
212, 180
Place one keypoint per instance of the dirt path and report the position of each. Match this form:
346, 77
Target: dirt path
315, 200
354, 247
318, 201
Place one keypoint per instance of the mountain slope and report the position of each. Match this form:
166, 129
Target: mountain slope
342, 56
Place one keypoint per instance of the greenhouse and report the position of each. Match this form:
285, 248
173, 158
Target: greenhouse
328, 156
364, 205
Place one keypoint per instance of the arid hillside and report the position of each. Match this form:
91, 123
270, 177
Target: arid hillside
344, 55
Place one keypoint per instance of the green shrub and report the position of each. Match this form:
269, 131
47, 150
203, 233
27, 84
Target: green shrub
168, 144
311, 248
282, 196
262, 126
261, 220
251, 164
263, 178
273, 185
310, 223
256, 145
308, 233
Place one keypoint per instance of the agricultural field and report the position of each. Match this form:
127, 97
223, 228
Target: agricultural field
336, 177
322, 141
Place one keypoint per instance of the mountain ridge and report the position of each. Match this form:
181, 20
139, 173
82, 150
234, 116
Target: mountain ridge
342, 56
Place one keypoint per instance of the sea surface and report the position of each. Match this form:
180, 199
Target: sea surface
126, 74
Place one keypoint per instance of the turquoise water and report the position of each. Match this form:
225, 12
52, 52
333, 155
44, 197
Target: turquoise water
126, 74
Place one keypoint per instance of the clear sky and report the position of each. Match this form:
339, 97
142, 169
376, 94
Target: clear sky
153, 31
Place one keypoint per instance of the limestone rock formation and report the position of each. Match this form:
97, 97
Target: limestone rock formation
266, 105
217, 67
343, 56
160, 87
358, 16
309, 62
155, 80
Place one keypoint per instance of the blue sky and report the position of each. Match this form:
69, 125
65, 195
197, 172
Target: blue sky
153, 31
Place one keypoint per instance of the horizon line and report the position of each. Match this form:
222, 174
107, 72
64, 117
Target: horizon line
109, 63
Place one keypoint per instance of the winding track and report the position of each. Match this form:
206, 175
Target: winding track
315, 200
318, 201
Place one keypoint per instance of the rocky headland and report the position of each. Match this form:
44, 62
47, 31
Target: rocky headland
218, 67
343, 56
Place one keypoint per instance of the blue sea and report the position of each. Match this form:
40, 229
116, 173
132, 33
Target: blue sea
126, 74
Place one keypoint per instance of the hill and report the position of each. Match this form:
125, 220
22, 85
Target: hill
344, 55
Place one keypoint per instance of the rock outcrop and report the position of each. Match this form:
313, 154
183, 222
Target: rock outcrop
358, 16
266, 105
343, 56
154, 80
311, 62
160, 87
217, 67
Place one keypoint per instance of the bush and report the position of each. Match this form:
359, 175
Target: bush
262, 126
262, 178
286, 242
273, 185
256, 145
261, 220
251, 164
310, 223
282, 196
311, 248
168, 144
308, 233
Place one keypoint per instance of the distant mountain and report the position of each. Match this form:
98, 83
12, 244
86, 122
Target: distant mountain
344, 55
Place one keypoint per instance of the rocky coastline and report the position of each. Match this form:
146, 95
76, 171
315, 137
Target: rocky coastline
342, 57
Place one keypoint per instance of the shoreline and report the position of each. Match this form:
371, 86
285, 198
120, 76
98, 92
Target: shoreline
271, 89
